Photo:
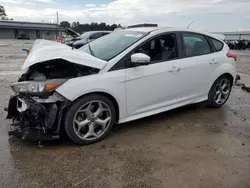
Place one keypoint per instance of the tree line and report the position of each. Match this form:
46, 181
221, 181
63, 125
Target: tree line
80, 28
76, 26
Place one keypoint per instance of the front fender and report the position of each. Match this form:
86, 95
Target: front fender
112, 83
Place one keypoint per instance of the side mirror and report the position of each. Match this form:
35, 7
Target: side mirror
140, 59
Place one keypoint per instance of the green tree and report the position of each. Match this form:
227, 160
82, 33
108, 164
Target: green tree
81, 28
65, 24
2, 12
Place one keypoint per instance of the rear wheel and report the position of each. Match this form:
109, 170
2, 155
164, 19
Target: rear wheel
220, 92
89, 119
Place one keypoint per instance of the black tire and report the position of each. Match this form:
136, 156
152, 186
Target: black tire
211, 95
68, 123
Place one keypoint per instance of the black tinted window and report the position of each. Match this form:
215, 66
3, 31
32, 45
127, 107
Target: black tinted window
104, 34
195, 44
217, 44
95, 35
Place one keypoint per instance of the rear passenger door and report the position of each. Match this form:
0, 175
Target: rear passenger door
196, 71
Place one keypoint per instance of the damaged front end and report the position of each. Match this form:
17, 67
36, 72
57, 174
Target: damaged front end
35, 118
36, 109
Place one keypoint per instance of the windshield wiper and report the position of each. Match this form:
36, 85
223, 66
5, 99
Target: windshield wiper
91, 51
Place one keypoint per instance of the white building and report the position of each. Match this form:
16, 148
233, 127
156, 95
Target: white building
236, 35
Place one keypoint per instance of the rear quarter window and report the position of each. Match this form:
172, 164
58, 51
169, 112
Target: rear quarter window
195, 44
218, 45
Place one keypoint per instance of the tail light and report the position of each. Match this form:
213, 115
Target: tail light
231, 54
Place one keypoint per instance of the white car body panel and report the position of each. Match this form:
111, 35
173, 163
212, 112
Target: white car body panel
145, 90
44, 50
111, 83
222, 64
167, 83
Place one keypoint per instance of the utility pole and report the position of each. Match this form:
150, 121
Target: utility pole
57, 24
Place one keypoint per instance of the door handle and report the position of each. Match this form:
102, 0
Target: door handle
212, 62
174, 69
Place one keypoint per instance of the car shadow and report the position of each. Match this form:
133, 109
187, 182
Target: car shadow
136, 125
158, 118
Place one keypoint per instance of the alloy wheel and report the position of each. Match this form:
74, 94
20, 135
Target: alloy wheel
222, 91
92, 120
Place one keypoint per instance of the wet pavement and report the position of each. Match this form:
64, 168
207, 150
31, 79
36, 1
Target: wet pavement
191, 147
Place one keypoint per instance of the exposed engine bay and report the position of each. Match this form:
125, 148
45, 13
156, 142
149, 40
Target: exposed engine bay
57, 69
37, 114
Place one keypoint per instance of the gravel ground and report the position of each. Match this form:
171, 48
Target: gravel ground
188, 147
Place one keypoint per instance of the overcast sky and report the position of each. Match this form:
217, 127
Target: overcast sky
211, 15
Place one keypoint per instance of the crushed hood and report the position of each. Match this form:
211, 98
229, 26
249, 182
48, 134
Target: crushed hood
44, 50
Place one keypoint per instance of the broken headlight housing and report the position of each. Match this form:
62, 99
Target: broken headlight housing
37, 86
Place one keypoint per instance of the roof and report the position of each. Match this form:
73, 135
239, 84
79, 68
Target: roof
98, 31
28, 25
142, 29
166, 29
13, 21
173, 29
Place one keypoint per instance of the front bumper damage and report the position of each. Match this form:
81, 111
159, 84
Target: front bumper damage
36, 118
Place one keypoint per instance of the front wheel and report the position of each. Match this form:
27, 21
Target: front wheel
220, 92
89, 119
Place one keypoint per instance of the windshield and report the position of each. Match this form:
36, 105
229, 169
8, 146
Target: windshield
85, 35
111, 45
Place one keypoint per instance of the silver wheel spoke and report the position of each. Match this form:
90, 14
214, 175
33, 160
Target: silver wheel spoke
87, 111
219, 98
103, 123
100, 110
91, 131
81, 124
224, 86
225, 92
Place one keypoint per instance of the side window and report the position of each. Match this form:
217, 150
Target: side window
103, 34
95, 36
160, 49
217, 44
195, 44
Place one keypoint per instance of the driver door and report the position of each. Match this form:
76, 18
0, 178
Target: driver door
153, 86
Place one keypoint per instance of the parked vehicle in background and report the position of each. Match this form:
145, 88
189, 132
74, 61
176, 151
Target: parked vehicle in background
23, 36
87, 37
78, 40
74, 36
238, 44
126, 75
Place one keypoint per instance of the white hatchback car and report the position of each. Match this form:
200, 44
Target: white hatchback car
126, 75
